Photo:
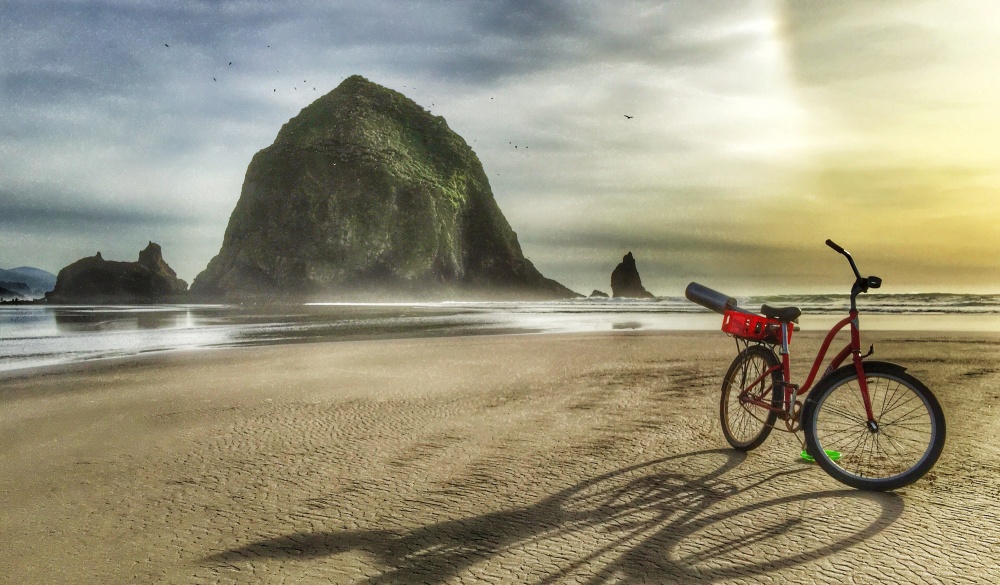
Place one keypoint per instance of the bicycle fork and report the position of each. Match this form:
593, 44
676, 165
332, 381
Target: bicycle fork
860, 369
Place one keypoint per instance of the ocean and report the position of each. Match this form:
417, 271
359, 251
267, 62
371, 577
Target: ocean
36, 336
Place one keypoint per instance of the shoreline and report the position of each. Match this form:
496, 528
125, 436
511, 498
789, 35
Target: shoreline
32, 338
816, 333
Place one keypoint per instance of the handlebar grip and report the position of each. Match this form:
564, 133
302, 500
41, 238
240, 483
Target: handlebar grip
834, 246
708, 298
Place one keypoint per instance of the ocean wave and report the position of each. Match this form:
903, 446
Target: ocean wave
828, 303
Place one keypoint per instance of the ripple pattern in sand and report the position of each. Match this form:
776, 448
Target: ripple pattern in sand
607, 467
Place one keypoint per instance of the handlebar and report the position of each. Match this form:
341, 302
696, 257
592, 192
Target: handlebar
862, 283
854, 266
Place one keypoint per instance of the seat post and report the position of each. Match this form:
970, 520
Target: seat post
784, 338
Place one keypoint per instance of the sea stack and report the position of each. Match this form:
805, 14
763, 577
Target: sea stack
96, 280
364, 194
625, 281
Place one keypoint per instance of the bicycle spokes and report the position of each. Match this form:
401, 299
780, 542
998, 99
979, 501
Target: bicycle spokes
747, 396
894, 442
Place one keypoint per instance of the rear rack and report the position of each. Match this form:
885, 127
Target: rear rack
752, 327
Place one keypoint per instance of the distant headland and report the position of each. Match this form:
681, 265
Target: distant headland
25, 283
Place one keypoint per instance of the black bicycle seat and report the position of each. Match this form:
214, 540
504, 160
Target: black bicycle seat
787, 314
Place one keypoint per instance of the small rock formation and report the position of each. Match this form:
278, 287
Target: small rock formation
598, 294
96, 280
364, 194
152, 258
625, 281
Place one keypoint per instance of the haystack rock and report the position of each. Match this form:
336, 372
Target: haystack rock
364, 194
625, 281
96, 280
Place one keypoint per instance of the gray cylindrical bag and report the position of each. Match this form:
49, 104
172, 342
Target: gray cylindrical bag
708, 298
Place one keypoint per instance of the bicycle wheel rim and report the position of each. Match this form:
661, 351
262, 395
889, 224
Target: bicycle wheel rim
905, 436
746, 422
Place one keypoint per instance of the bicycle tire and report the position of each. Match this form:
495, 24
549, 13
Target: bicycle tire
746, 426
906, 442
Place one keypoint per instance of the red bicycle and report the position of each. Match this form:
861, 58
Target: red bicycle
868, 423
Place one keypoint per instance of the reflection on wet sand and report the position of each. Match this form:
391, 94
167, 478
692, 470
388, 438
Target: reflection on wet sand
77, 321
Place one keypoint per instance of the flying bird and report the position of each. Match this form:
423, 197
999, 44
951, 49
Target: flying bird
166, 45
627, 116
230, 62
213, 79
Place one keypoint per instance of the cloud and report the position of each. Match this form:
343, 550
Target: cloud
49, 228
45, 87
850, 40
48, 209
746, 117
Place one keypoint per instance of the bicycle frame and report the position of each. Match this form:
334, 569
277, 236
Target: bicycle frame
792, 391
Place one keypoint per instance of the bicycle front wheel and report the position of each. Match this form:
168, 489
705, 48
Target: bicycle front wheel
745, 423
896, 449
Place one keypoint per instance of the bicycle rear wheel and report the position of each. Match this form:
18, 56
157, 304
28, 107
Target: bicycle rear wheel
745, 424
903, 444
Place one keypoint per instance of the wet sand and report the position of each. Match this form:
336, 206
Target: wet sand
591, 458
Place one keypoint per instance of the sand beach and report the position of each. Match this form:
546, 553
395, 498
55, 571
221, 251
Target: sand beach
585, 458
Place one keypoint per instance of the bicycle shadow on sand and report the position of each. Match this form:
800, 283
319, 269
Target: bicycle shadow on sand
694, 516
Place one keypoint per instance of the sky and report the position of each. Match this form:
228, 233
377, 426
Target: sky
758, 129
